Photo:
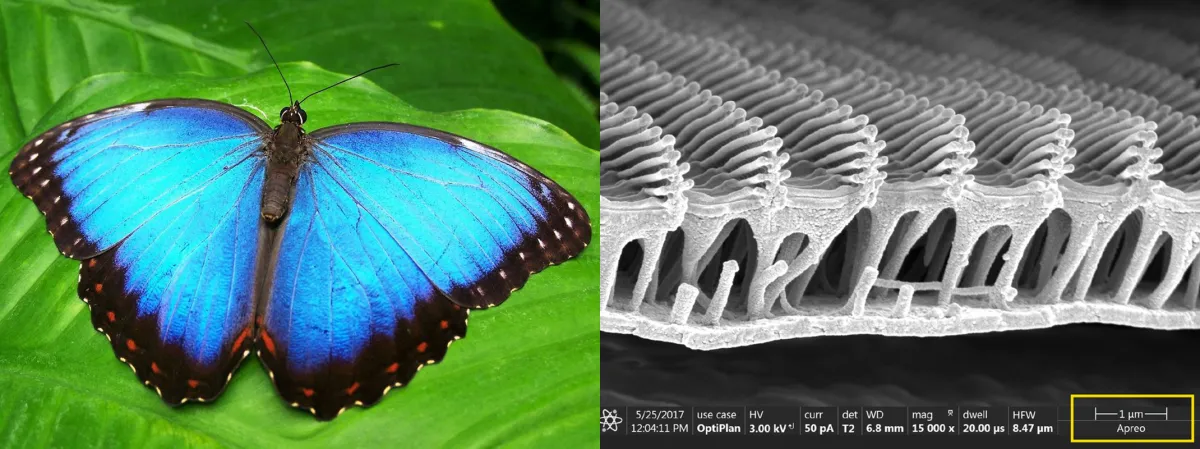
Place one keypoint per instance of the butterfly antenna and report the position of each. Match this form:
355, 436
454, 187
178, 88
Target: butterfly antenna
264, 42
350, 78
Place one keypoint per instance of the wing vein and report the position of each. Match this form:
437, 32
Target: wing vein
450, 230
296, 276
146, 171
335, 253
187, 259
389, 232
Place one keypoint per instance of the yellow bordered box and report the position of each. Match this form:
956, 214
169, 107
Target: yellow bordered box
1192, 410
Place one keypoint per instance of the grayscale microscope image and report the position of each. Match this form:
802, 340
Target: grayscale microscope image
898, 201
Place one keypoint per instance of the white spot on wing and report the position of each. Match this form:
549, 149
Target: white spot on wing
473, 146
32, 157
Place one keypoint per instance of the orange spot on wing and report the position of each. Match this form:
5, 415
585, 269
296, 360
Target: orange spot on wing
421, 347
456, 307
99, 288
154, 367
131, 345
91, 263
112, 316
307, 392
445, 324
241, 338
193, 383
352, 389
268, 343
393, 368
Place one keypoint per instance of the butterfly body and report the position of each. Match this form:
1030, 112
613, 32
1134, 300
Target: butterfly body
347, 258
286, 151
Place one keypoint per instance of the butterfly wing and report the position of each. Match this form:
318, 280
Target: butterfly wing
160, 202
394, 233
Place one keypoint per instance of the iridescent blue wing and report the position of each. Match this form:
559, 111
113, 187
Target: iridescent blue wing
160, 202
395, 231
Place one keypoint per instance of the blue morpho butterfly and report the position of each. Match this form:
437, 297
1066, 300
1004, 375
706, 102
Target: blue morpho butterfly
348, 258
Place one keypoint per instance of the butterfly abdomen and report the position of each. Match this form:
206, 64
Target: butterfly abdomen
285, 154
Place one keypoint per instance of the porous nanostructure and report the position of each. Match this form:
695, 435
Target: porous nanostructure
774, 169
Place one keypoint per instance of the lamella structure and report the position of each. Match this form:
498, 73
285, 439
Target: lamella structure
775, 169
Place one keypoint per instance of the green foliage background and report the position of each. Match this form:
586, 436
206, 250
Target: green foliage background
528, 372
568, 31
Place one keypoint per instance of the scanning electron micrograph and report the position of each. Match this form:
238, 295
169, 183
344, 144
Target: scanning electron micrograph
778, 170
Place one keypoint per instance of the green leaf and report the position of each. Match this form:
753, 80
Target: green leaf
589, 16
581, 94
586, 56
47, 46
455, 54
527, 373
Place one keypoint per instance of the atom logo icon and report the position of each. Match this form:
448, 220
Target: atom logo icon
609, 420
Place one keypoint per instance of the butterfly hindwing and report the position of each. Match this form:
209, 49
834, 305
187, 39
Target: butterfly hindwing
349, 315
394, 233
160, 201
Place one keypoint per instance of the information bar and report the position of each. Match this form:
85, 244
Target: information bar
1095, 420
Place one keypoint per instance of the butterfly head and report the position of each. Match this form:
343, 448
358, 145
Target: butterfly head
293, 114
